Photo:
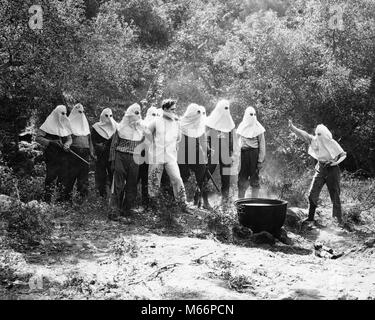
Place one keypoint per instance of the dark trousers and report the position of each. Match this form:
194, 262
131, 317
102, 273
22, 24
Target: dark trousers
249, 173
225, 181
103, 174
78, 171
330, 176
56, 165
125, 181
199, 171
143, 176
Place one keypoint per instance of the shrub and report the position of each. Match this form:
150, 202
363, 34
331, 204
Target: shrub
28, 224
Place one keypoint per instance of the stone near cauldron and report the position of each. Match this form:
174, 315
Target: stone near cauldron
263, 237
282, 236
294, 218
242, 232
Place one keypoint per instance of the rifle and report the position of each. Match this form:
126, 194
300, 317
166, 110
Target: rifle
79, 157
207, 172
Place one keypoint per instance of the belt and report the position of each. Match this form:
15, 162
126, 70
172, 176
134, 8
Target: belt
249, 149
326, 164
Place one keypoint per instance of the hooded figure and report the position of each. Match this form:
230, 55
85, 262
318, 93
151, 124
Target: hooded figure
323, 147
192, 150
253, 150
250, 126
329, 155
193, 122
220, 118
152, 114
78, 121
222, 146
57, 123
129, 127
78, 170
55, 136
125, 158
107, 126
101, 135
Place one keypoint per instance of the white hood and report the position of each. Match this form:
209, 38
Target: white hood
107, 125
220, 118
250, 126
78, 121
323, 147
57, 123
193, 122
128, 128
151, 114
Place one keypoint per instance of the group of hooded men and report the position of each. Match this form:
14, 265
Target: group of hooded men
142, 149
137, 149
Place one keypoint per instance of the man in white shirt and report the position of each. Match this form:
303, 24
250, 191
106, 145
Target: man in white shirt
165, 133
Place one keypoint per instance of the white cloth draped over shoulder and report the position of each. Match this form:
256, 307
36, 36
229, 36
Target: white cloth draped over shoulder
57, 123
193, 122
323, 147
78, 121
250, 126
220, 118
107, 126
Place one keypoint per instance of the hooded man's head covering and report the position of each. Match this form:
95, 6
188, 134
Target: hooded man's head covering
151, 114
78, 121
220, 118
193, 122
107, 125
57, 123
323, 147
128, 128
250, 126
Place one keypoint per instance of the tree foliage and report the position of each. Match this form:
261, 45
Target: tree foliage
290, 59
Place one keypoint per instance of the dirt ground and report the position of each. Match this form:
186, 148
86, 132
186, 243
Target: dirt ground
102, 259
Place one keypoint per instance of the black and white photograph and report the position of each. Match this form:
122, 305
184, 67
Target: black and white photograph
203, 151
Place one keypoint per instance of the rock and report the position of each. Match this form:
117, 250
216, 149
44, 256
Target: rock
242, 232
303, 294
282, 236
370, 243
263, 237
320, 246
294, 218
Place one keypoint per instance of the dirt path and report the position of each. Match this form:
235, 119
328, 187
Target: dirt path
109, 260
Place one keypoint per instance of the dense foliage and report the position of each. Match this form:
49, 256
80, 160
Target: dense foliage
296, 59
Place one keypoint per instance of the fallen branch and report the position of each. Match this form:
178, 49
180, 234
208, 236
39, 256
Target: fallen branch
157, 273
197, 260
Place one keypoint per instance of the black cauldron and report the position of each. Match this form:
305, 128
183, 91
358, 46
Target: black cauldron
261, 214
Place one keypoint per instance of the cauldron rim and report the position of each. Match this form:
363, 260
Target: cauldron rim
269, 202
